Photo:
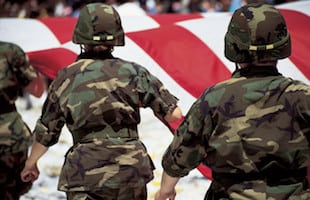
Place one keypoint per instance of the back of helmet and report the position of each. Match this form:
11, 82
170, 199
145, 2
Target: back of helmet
99, 24
257, 33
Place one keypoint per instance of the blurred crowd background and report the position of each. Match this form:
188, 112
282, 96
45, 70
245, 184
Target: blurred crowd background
64, 8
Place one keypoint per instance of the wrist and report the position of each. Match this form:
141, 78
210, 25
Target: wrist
30, 162
166, 191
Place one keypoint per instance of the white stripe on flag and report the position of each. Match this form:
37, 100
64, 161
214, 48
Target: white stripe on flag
30, 34
211, 30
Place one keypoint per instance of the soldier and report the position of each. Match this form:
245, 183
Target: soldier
16, 74
98, 98
253, 129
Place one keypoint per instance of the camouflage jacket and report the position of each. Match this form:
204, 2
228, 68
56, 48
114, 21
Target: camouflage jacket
99, 101
15, 74
253, 132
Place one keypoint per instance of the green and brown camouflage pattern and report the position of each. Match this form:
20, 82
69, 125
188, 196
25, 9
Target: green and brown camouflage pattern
247, 126
15, 74
98, 24
101, 99
15, 135
257, 33
123, 193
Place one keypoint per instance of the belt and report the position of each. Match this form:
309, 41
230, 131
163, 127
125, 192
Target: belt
272, 178
104, 133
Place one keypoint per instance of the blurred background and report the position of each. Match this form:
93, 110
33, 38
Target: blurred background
60, 8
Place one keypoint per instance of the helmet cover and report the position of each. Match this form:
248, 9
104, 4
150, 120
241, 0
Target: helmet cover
98, 24
257, 33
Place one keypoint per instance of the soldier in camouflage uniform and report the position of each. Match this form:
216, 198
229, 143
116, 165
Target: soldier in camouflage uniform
253, 129
98, 98
15, 137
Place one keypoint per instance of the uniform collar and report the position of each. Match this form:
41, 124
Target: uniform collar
256, 71
95, 55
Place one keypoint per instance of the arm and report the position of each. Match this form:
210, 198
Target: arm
46, 134
167, 188
153, 94
30, 171
185, 153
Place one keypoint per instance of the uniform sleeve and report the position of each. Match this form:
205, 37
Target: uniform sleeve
19, 62
302, 92
51, 122
153, 94
187, 149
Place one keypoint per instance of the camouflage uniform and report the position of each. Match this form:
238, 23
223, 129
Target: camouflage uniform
107, 193
15, 136
252, 130
247, 126
98, 98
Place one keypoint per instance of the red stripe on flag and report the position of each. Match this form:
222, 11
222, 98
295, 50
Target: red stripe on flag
62, 27
183, 56
50, 61
299, 27
205, 171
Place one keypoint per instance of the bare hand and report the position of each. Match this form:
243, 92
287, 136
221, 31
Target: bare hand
164, 196
30, 172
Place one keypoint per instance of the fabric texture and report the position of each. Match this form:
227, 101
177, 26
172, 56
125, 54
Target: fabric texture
99, 98
253, 132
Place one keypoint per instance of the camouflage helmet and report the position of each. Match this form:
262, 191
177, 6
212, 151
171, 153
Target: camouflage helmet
98, 24
257, 33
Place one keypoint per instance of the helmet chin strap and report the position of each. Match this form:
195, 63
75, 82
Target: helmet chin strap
236, 66
257, 64
236, 69
87, 48
82, 48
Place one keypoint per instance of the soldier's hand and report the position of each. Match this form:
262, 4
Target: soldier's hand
26, 177
165, 196
30, 173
